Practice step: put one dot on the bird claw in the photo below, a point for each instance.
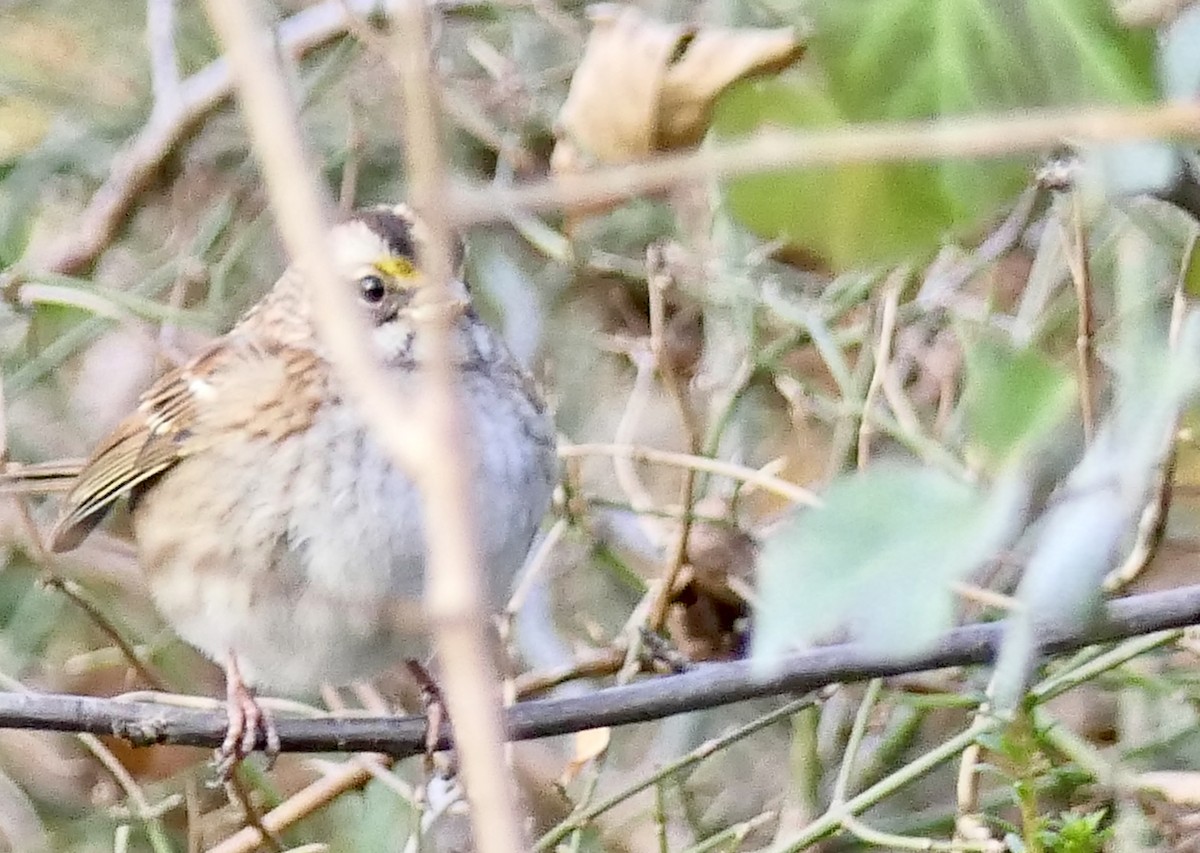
(248, 720)
(435, 707)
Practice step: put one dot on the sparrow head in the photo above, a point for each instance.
(379, 251)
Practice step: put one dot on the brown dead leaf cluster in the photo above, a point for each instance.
(644, 85)
(710, 607)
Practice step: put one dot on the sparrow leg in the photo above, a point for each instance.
(435, 707)
(247, 719)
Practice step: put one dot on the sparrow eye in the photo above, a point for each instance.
(372, 289)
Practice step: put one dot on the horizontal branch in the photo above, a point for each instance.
(704, 686)
(981, 136)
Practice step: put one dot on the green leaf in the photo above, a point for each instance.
(879, 557)
(18, 206)
(1071, 833)
(1013, 397)
(1190, 274)
(897, 60)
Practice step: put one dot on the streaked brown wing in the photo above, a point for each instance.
(118, 466)
(141, 447)
(233, 388)
(39, 478)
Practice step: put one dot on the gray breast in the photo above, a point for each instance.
(356, 526)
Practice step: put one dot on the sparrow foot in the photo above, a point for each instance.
(247, 721)
(435, 708)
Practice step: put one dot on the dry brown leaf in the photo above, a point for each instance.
(713, 61)
(589, 745)
(645, 85)
(708, 607)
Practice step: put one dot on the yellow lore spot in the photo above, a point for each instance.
(396, 267)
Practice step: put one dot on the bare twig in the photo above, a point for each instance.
(659, 281)
(142, 808)
(883, 355)
(348, 190)
(454, 587)
(891, 841)
(599, 664)
(1152, 524)
(968, 823)
(731, 838)
(986, 136)
(766, 482)
(238, 793)
(703, 686)
(841, 788)
(635, 406)
(80, 599)
(133, 169)
(429, 445)
(321, 793)
(301, 214)
(1086, 325)
(584, 816)
(164, 63)
(534, 566)
(858, 730)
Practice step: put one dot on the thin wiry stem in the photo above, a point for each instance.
(319, 794)
(1085, 331)
(883, 355)
(582, 818)
(80, 599)
(750, 476)
(1152, 523)
(135, 166)
(985, 136)
(659, 282)
(854, 742)
(832, 819)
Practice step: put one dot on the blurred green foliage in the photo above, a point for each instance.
(896, 60)
(1011, 399)
(879, 557)
(972, 428)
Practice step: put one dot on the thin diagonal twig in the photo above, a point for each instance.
(982, 136)
(139, 160)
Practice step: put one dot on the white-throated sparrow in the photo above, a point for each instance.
(276, 535)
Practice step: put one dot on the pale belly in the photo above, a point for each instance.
(309, 564)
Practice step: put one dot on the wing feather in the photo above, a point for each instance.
(124, 462)
(233, 388)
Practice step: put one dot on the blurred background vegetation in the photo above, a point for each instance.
(981, 339)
